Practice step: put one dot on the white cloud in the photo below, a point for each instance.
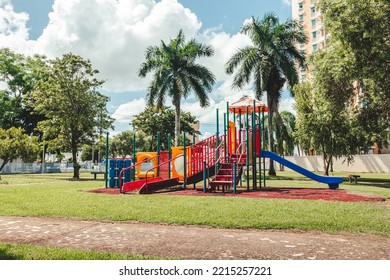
(287, 104)
(125, 112)
(287, 2)
(13, 29)
(224, 45)
(114, 34)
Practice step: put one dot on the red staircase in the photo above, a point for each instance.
(224, 177)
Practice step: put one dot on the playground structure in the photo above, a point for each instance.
(220, 161)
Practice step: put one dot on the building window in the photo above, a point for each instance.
(314, 34)
(313, 10)
(300, 5)
(315, 47)
(313, 22)
(301, 17)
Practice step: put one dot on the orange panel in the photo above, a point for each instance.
(146, 156)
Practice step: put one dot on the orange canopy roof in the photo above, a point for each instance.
(247, 101)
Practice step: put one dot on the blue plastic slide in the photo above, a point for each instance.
(333, 182)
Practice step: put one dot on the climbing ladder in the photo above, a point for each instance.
(229, 171)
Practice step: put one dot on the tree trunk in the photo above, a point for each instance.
(326, 165)
(271, 170)
(76, 166)
(177, 122)
(5, 161)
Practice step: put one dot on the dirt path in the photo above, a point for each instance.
(189, 242)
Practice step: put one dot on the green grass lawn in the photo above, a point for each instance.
(56, 195)
(29, 252)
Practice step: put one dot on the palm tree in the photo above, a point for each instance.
(270, 61)
(284, 127)
(176, 74)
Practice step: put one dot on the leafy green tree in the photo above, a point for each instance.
(176, 74)
(150, 123)
(71, 103)
(361, 28)
(121, 145)
(14, 143)
(324, 115)
(89, 152)
(270, 61)
(20, 75)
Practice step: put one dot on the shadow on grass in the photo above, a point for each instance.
(369, 184)
(6, 255)
(83, 180)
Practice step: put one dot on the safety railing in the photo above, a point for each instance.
(203, 151)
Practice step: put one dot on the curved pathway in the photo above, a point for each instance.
(190, 242)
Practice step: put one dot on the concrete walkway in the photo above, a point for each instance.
(189, 242)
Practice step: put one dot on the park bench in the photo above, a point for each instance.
(98, 172)
(353, 177)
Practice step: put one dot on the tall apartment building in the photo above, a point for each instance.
(306, 12)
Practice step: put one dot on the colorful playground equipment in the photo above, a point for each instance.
(220, 161)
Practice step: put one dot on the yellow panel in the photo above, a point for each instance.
(145, 156)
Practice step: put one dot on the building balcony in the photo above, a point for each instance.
(317, 27)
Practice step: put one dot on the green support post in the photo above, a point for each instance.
(239, 138)
(226, 136)
(247, 148)
(185, 160)
(192, 158)
(254, 173)
(106, 175)
(217, 151)
(217, 117)
(169, 156)
(134, 158)
(262, 132)
(227, 129)
(261, 146)
(158, 153)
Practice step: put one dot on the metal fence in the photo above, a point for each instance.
(30, 168)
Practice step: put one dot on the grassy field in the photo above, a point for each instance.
(29, 252)
(59, 196)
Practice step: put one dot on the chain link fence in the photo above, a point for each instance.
(30, 168)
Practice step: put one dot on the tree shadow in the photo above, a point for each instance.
(6, 255)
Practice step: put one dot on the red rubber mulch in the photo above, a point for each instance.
(278, 193)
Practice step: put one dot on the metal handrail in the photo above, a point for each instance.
(217, 148)
(241, 154)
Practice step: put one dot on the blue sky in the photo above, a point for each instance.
(113, 34)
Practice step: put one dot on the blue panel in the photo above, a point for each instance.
(112, 163)
(112, 183)
(119, 163)
(112, 173)
(127, 162)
